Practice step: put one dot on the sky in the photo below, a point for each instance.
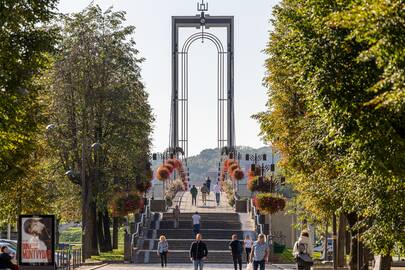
(152, 19)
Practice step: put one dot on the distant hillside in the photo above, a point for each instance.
(207, 161)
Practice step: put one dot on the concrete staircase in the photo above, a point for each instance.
(216, 229)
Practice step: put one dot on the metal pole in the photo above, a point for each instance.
(334, 241)
(84, 197)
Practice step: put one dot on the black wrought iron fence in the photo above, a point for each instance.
(67, 259)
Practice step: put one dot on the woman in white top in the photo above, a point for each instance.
(248, 243)
(162, 249)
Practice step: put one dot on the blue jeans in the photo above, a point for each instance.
(196, 228)
(257, 264)
(198, 263)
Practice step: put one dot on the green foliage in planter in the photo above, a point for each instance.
(270, 203)
(260, 186)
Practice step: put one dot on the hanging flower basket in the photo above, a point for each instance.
(255, 185)
(238, 174)
(169, 167)
(228, 163)
(178, 164)
(270, 203)
(162, 173)
(171, 162)
(124, 203)
(143, 186)
(232, 168)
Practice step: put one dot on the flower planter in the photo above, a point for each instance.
(162, 173)
(259, 184)
(270, 203)
(238, 174)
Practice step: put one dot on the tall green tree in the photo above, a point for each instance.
(101, 119)
(25, 40)
(335, 110)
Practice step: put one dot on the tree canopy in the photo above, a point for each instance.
(336, 109)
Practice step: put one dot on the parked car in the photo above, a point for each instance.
(319, 247)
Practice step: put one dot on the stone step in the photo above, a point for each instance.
(169, 224)
(189, 234)
(178, 244)
(205, 216)
(183, 256)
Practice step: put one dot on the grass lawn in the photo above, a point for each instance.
(73, 236)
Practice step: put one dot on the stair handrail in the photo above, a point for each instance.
(139, 226)
(257, 219)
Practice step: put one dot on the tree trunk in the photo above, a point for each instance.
(382, 262)
(351, 219)
(107, 232)
(100, 232)
(115, 233)
(93, 218)
(325, 243)
(341, 241)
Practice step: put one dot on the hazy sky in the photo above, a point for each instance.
(152, 19)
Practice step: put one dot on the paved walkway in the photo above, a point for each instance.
(185, 266)
(211, 206)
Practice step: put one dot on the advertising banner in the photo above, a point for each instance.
(36, 240)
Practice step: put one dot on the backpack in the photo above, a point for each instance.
(303, 259)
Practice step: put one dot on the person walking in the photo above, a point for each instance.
(204, 192)
(194, 193)
(248, 243)
(196, 223)
(5, 259)
(176, 216)
(236, 248)
(208, 182)
(162, 249)
(260, 253)
(217, 191)
(303, 250)
(198, 252)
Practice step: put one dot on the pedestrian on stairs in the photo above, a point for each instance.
(248, 243)
(194, 193)
(196, 223)
(217, 191)
(236, 247)
(162, 249)
(198, 253)
(176, 216)
(208, 183)
(204, 193)
(260, 253)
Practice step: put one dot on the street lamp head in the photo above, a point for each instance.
(50, 127)
(96, 146)
(70, 174)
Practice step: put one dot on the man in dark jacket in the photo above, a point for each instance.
(5, 259)
(236, 248)
(198, 252)
(194, 193)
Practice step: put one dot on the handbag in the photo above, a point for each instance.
(249, 266)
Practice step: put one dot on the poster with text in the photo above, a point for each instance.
(36, 239)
